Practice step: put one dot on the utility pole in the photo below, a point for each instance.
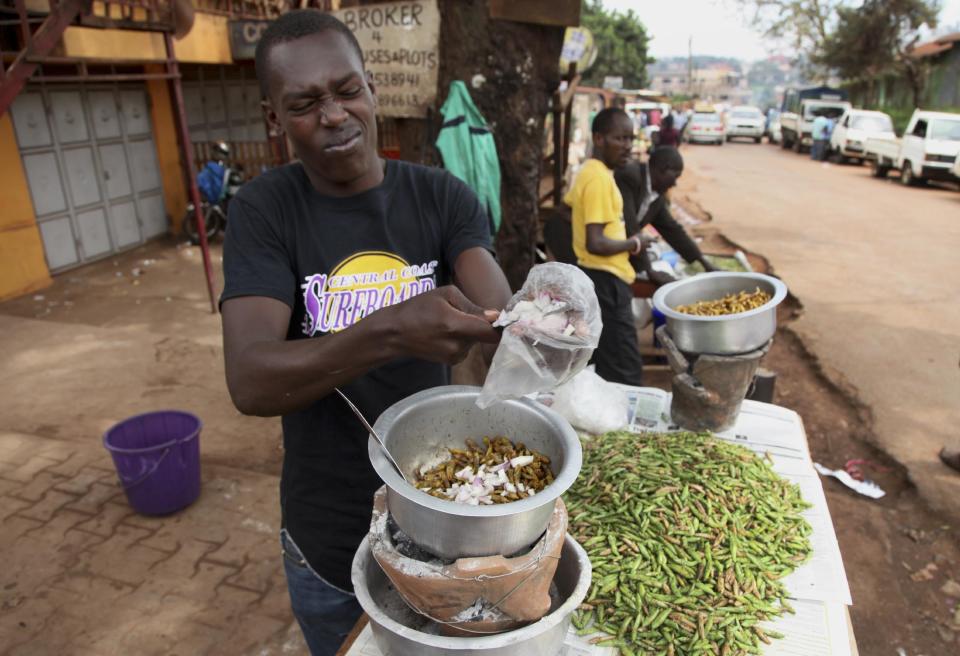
(690, 66)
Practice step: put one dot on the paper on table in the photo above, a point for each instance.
(823, 577)
(647, 408)
(817, 629)
(766, 428)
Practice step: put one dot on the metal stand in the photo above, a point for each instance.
(708, 389)
(186, 152)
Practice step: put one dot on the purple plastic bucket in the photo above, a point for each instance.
(157, 457)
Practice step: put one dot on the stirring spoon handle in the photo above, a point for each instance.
(366, 424)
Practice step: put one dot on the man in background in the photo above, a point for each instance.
(603, 248)
(821, 138)
(644, 189)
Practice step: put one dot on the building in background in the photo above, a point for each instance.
(90, 146)
(708, 79)
(90, 152)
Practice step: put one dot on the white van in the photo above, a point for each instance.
(930, 146)
(854, 128)
(928, 150)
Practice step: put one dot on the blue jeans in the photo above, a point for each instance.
(325, 612)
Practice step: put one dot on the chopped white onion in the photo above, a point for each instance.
(476, 487)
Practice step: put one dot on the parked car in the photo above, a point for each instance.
(772, 129)
(928, 150)
(852, 130)
(801, 106)
(745, 121)
(706, 127)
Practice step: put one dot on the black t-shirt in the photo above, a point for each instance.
(334, 260)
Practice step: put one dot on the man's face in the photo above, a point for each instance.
(613, 148)
(320, 97)
(663, 181)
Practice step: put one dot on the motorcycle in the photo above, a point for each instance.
(219, 183)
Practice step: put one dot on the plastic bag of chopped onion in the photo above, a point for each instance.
(551, 328)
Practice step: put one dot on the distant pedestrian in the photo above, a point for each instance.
(679, 119)
(668, 135)
(821, 138)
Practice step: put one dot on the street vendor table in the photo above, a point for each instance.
(818, 589)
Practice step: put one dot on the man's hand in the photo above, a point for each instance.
(269, 375)
(440, 325)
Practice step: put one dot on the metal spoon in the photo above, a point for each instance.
(383, 447)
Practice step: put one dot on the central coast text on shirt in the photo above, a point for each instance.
(361, 284)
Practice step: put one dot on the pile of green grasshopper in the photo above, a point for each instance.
(689, 537)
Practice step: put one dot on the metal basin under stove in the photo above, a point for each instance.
(398, 631)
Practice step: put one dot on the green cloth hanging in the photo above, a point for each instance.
(469, 151)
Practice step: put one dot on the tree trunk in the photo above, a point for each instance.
(520, 65)
(914, 72)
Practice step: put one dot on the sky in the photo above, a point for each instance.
(716, 26)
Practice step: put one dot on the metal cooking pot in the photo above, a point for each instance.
(728, 334)
(390, 618)
(419, 429)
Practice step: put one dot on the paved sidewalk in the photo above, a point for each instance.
(85, 575)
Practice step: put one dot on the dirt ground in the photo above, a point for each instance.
(898, 554)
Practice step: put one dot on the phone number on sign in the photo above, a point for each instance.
(383, 79)
(399, 100)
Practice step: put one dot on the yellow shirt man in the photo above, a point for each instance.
(595, 198)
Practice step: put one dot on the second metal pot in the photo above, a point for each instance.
(727, 334)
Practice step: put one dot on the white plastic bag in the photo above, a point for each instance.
(551, 328)
(591, 404)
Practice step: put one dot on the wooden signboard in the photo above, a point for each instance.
(401, 50)
(244, 37)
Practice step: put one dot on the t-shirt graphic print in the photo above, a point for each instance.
(360, 285)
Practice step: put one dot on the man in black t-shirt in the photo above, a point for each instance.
(338, 273)
(644, 189)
